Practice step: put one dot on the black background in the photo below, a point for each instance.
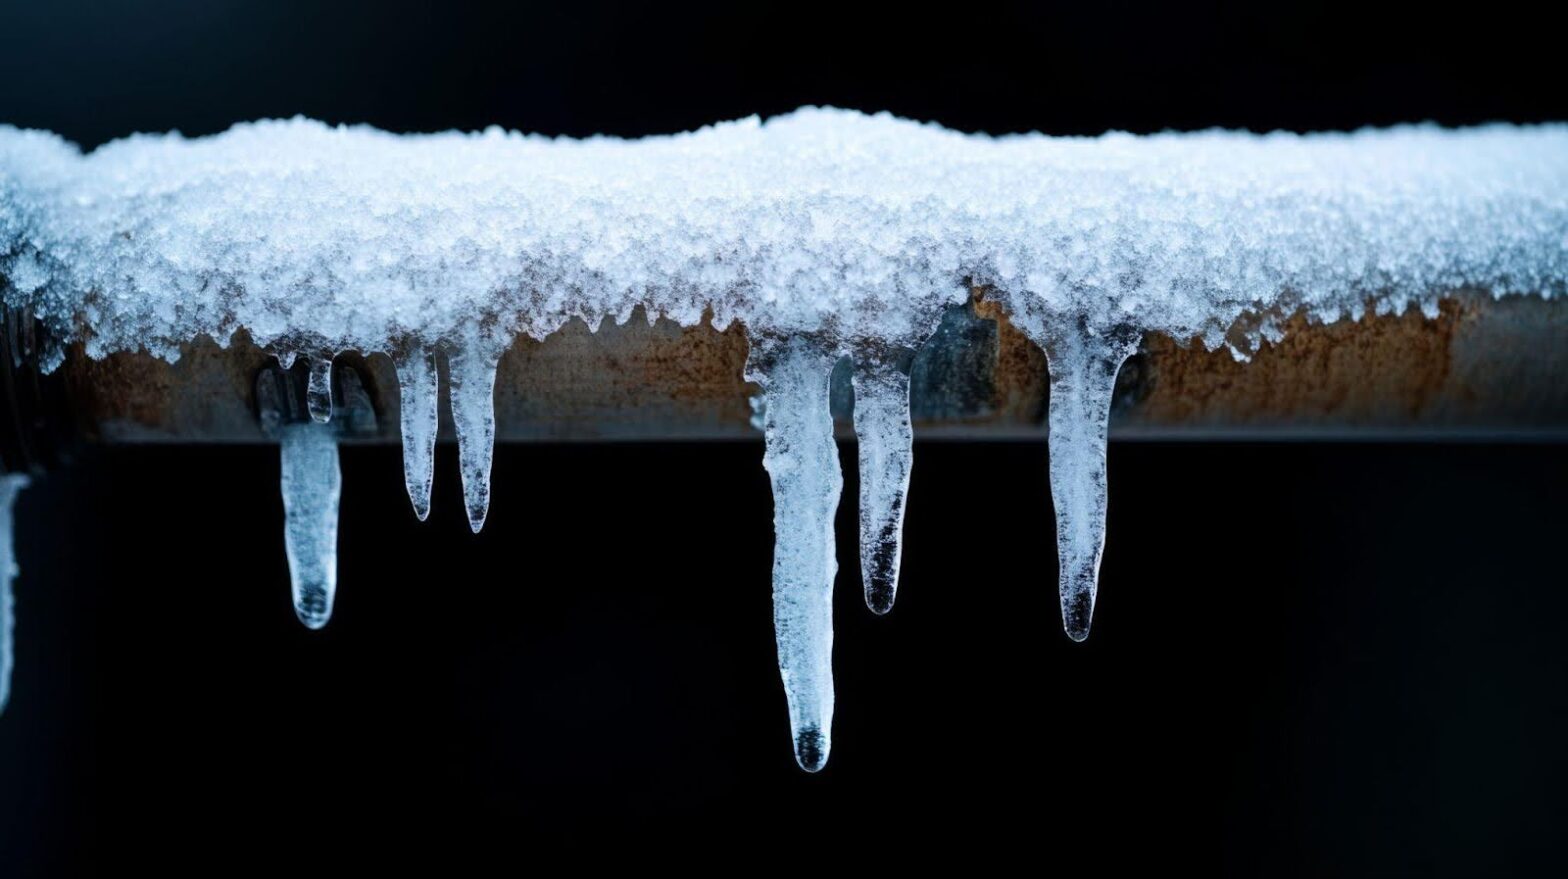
(1307, 659)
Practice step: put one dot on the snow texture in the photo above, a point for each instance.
(827, 233)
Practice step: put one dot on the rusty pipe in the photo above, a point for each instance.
(1483, 368)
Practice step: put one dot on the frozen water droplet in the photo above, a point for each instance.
(471, 380)
(419, 382)
(886, 440)
(318, 394)
(811, 749)
(10, 486)
(802, 462)
(312, 484)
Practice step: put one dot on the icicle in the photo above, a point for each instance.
(318, 394)
(1083, 366)
(312, 484)
(881, 380)
(471, 379)
(802, 461)
(10, 486)
(416, 375)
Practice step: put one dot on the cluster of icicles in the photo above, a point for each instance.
(801, 458)
(828, 234)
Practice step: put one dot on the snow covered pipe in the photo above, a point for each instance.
(1483, 369)
(1403, 281)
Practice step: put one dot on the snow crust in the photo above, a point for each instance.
(827, 233)
(320, 238)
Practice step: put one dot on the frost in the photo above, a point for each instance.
(826, 233)
(10, 486)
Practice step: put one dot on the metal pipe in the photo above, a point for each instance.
(1482, 368)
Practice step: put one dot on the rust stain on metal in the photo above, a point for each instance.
(617, 381)
(208, 390)
(1021, 381)
(1379, 369)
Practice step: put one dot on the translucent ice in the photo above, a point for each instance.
(802, 461)
(318, 393)
(312, 484)
(881, 381)
(10, 485)
(418, 381)
(471, 378)
(1083, 364)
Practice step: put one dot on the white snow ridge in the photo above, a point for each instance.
(827, 233)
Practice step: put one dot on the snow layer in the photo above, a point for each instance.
(828, 233)
(330, 238)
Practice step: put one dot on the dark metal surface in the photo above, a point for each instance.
(38, 426)
(1483, 368)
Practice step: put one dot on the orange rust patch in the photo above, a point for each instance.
(1375, 369)
(1021, 382)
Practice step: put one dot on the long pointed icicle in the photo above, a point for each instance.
(10, 486)
(318, 394)
(312, 484)
(418, 381)
(471, 378)
(881, 380)
(802, 461)
(1083, 367)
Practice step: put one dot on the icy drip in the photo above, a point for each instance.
(471, 379)
(1083, 365)
(312, 484)
(318, 393)
(419, 385)
(10, 486)
(886, 440)
(802, 461)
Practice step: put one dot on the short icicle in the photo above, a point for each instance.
(471, 378)
(886, 440)
(418, 383)
(1083, 364)
(318, 394)
(802, 461)
(10, 485)
(312, 484)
